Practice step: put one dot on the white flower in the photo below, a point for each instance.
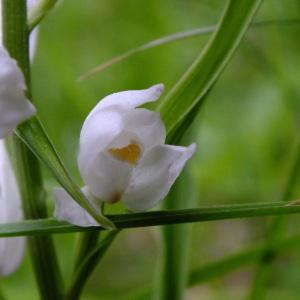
(122, 156)
(11, 249)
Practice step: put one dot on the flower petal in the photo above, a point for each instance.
(147, 126)
(14, 107)
(130, 99)
(11, 249)
(66, 209)
(154, 176)
(107, 177)
(98, 131)
(110, 127)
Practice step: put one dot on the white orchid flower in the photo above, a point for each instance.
(14, 106)
(11, 249)
(122, 156)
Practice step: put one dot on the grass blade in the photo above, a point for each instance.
(154, 218)
(34, 136)
(172, 272)
(88, 265)
(200, 31)
(204, 72)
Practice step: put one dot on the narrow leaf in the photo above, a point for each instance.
(88, 265)
(173, 263)
(204, 72)
(154, 218)
(200, 31)
(34, 136)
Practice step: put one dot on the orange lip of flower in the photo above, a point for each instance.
(130, 153)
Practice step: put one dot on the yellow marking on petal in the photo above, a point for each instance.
(129, 154)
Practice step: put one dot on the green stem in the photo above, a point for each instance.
(195, 32)
(86, 242)
(173, 266)
(42, 250)
(87, 266)
(154, 218)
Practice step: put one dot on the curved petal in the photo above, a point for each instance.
(108, 177)
(14, 107)
(113, 130)
(155, 174)
(147, 126)
(66, 209)
(11, 249)
(97, 132)
(130, 99)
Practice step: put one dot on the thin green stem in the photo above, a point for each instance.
(15, 33)
(85, 244)
(87, 266)
(173, 266)
(155, 218)
(201, 31)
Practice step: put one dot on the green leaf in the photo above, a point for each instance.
(154, 218)
(34, 136)
(204, 72)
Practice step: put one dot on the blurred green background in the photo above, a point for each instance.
(246, 132)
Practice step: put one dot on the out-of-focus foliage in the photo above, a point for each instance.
(246, 132)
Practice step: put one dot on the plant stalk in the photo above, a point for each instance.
(43, 256)
(87, 266)
(155, 218)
